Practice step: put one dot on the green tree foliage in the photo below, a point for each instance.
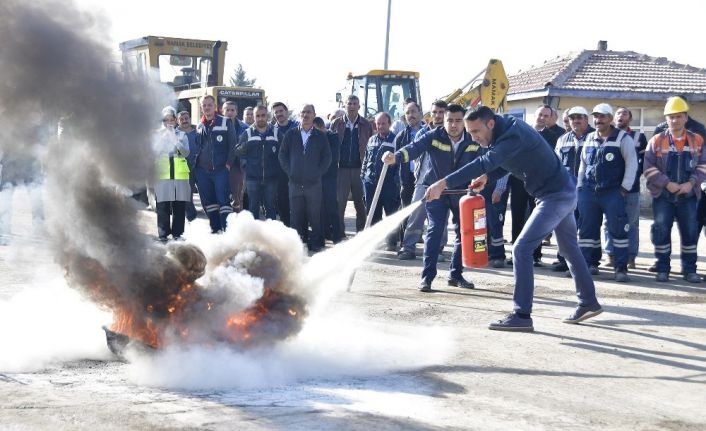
(240, 79)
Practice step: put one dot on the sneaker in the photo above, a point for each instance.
(406, 255)
(461, 282)
(512, 322)
(692, 277)
(425, 286)
(560, 267)
(593, 270)
(611, 261)
(582, 313)
(662, 277)
(497, 263)
(653, 268)
(621, 276)
(631, 263)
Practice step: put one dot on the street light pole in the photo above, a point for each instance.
(387, 33)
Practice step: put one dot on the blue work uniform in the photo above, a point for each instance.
(443, 159)
(607, 171)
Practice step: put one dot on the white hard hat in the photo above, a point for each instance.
(603, 108)
(577, 110)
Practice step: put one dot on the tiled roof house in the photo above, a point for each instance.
(626, 78)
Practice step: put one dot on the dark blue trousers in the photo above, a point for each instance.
(437, 215)
(665, 209)
(592, 205)
(215, 196)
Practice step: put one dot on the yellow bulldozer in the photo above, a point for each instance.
(192, 67)
(388, 90)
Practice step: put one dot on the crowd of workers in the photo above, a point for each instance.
(303, 173)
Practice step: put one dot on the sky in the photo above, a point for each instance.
(301, 51)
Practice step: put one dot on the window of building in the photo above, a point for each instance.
(517, 113)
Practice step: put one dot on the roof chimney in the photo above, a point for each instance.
(603, 45)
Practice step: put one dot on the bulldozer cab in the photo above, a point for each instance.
(180, 63)
(383, 91)
(192, 67)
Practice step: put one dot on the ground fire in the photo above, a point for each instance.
(164, 305)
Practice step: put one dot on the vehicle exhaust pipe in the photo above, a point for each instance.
(215, 67)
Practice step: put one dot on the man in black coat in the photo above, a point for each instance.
(305, 156)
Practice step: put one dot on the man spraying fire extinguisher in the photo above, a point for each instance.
(515, 147)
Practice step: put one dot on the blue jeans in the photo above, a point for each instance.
(592, 205)
(553, 212)
(665, 208)
(438, 215)
(215, 196)
(262, 193)
(415, 223)
(632, 209)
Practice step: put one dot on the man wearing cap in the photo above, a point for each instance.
(675, 166)
(515, 147)
(606, 174)
(568, 148)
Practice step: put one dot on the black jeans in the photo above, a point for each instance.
(521, 206)
(177, 210)
(305, 210)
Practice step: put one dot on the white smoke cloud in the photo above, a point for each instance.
(48, 323)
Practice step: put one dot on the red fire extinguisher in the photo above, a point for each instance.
(474, 230)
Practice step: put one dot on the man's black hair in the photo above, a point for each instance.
(454, 108)
(440, 104)
(277, 104)
(319, 122)
(484, 113)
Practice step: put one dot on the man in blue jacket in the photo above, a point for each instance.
(448, 148)
(258, 148)
(515, 147)
(389, 199)
(213, 158)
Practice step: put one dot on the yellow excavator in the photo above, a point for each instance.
(491, 91)
(192, 67)
(382, 91)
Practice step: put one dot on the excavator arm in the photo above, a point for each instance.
(490, 91)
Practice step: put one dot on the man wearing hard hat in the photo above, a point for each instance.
(675, 166)
(606, 174)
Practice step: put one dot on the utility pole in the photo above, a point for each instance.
(387, 33)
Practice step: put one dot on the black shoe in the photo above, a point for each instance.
(560, 267)
(497, 263)
(508, 262)
(406, 255)
(653, 268)
(582, 313)
(461, 282)
(537, 263)
(425, 286)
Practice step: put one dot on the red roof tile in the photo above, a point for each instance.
(611, 71)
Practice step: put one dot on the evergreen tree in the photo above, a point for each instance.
(240, 78)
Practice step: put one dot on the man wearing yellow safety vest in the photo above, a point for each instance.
(171, 188)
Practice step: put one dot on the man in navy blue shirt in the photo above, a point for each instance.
(515, 147)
